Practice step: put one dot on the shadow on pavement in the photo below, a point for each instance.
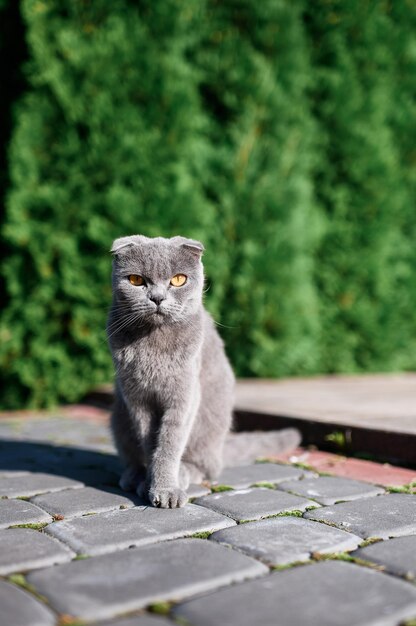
(92, 467)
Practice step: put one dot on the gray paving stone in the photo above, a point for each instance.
(14, 512)
(12, 472)
(330, 593)
(139, 620)
(71, 503)
(331, 489)
(23, 549)
(240, 477)
(252, 504)
(32, 484)
(116, 530)
(386, 516)
(282, 540)
(109, 585)
(18, 608)
(196, 491)
(397, 555)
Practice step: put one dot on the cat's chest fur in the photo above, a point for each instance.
(159, 360)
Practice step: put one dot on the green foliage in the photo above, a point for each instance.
(366, 256)
(110, 140)
(279, 132)
(255, 76)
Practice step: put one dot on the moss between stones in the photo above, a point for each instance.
(280, 568)
(202, 535)
(409, 488)
(219, 488)
(160, 608)
(38, 526)
(345, 556)
(369, 542)
(20, 581)
(81, 557)
(264, 484)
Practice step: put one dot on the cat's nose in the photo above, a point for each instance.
(157, 298)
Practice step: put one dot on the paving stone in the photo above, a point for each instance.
(139, 620)
(116, 530)
(252, 504)
(14, 512)
(32, 484)
(196, 491)
(18, 608)
(330, 593)
(397, 555)
(70, 503)
(386, 516)
(23, 549)
(240, 477)
(282, 540)
(112, 584)
(329, 489)
(11, 472)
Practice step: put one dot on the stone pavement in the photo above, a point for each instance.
(271, 544)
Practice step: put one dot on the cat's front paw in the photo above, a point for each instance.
(168, 498)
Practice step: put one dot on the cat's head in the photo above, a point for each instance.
(158, 280)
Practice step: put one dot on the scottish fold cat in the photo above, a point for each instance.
(174, 384)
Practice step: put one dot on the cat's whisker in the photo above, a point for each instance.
(126, 322)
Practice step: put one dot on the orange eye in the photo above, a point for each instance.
(178, 280)
(136, 280)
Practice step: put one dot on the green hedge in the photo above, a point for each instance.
(279, 132)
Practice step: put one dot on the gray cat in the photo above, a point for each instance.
(174, 384)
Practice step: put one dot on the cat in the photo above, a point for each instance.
(174, 391)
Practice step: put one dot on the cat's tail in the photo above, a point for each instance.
(246, 447)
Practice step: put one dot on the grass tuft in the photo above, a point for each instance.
(160, 608)
(202, 535)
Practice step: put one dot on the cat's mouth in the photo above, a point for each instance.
(158, 314)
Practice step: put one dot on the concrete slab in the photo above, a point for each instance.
(397, 555)
(392, 515)
(282, 540)
(117, 530)
(32, 484)
(251, 504)
(384, 401)
(330, 489)
(70, 503)
(240, 477)
(13, 512)
(330, 593)
(19, 608)
(196, 491)
(23, 549)
(107, 586)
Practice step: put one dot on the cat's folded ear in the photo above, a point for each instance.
(123, 243)
(195, 248)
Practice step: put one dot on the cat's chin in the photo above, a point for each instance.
(158, 318)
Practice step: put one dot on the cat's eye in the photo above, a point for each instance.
(136, 280)
(178, 280)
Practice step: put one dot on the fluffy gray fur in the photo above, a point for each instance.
(174, 384)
